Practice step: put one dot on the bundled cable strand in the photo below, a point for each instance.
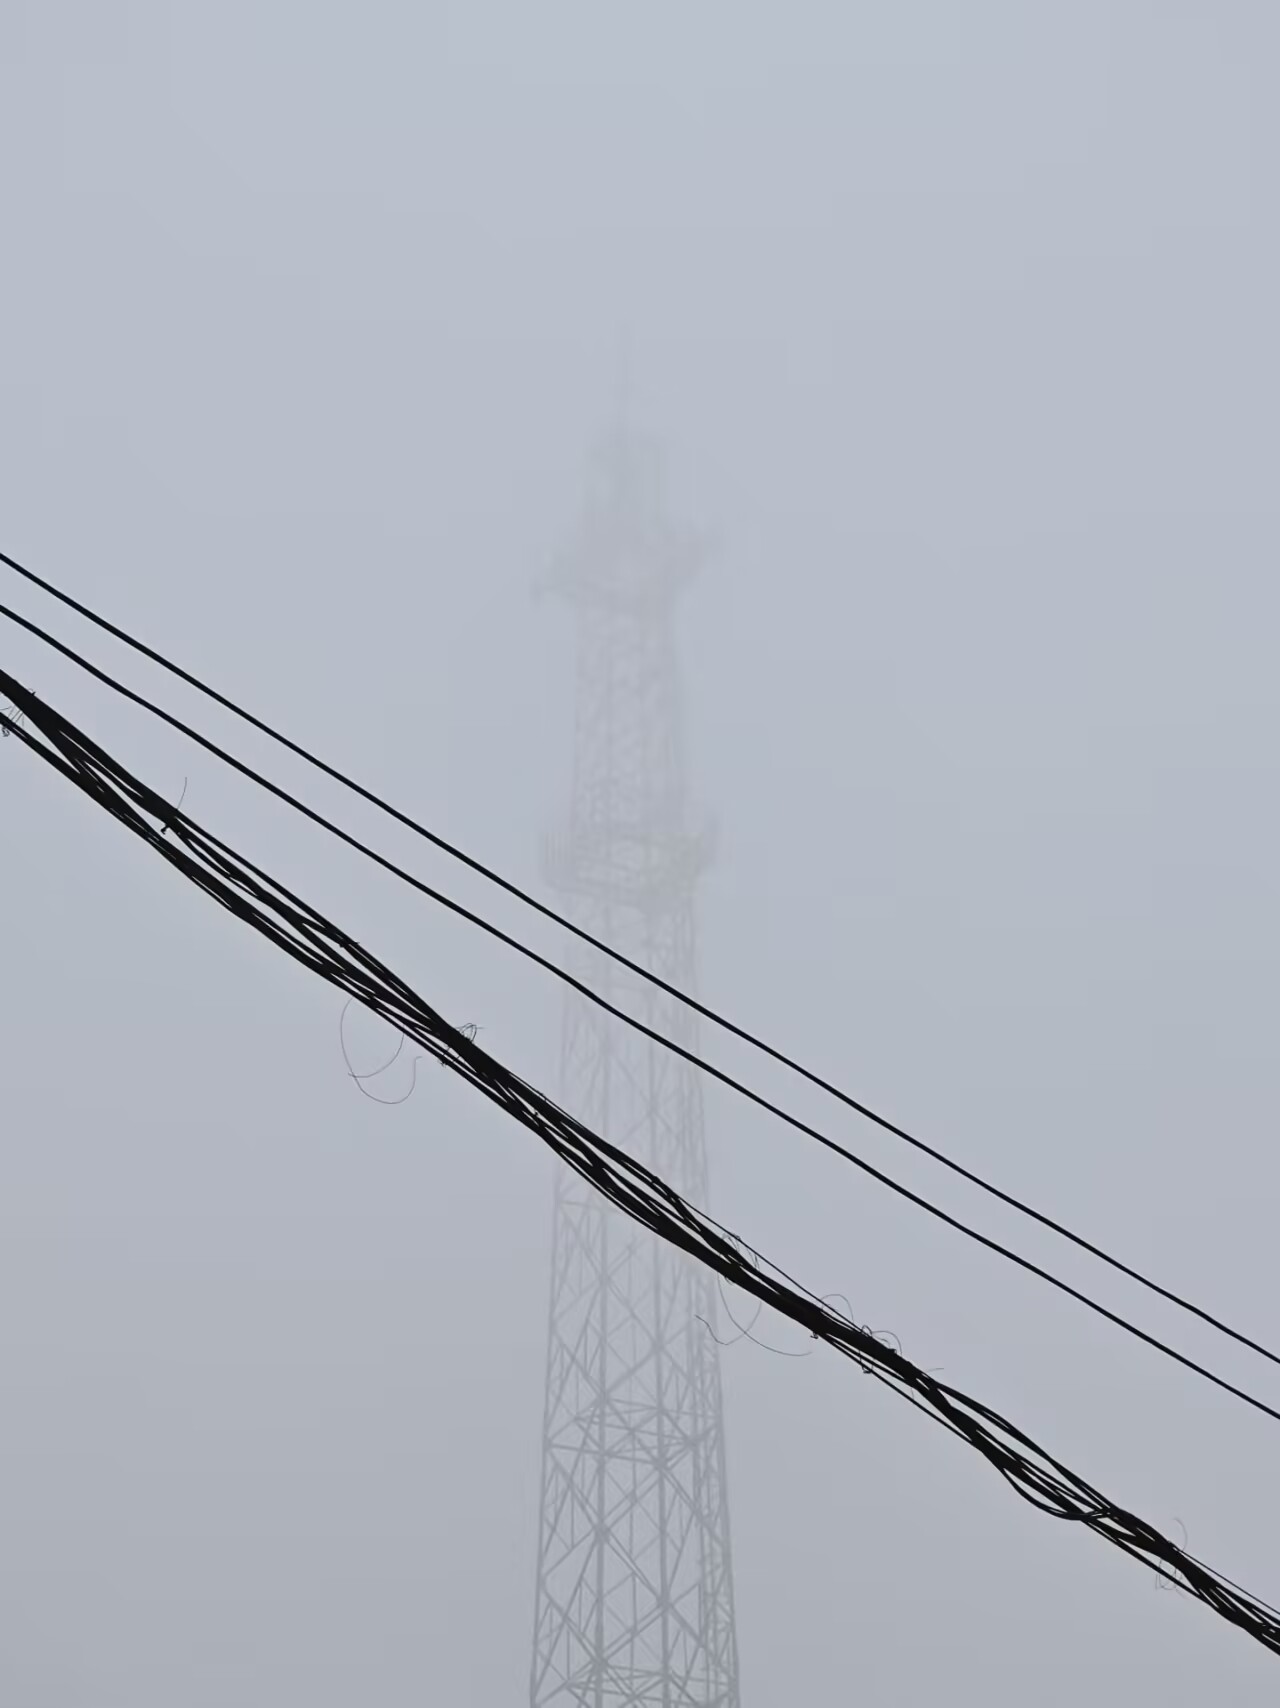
(636, 968)
(291, 924)
(739, 1087)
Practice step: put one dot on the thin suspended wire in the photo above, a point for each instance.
(283, 918)
(753, 1040)
(739, 1087)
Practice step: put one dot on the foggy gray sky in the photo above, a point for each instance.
(958, 323)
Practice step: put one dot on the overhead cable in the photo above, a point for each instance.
(291, 924)
(730, 1027)
(739, 1087)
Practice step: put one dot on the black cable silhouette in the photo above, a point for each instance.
(677, 1049)
(691, 1002)
(284, 919)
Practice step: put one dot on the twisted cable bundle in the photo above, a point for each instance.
(291, 924)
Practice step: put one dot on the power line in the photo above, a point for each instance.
(719, 1074)
(283, 918)
(753, 1040)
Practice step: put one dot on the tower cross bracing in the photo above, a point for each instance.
(634, 1604)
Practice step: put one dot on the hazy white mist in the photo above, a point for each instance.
(958, 323)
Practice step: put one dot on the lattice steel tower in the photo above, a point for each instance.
(635, 1591)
